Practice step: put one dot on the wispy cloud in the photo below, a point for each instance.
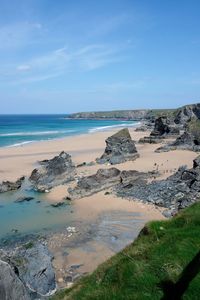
(17, 34)
(61, 61)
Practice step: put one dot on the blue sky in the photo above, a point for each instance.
(67, 56)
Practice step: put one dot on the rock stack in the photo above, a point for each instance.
(53, 172)
(119, 148)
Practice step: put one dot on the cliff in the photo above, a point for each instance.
(122, 114)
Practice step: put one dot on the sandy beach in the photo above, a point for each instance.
(98, 214)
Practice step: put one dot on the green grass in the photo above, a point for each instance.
(160, 253)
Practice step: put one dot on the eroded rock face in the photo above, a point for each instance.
(119, 148)
(186, 141)
(7, 186)
(37, 270)
(53, 172)
(176, 192)
(104, 178)
(162, 129)
(186, 113)
(11, 287)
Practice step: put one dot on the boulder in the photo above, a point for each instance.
(86, 186)
(53, 172)
(11, 287)
(119, 148)
(7, 186)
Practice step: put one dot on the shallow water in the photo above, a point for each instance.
(32, 216)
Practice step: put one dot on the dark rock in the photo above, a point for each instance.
(24, 199)
(104, 178)
(11, 287)
(176, 192)
(162, 129)
(7, 186)
(184, 142)
(53, 172)
(81, 165)
(58, 204)
(186, 113)
(119, 148)
(151, 140)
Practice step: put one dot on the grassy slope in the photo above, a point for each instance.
(160, 253)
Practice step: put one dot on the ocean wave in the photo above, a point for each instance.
(35, 133)
(19, 144)
(104, 128)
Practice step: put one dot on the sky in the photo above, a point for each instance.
(67, 56)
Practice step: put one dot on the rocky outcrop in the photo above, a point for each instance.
(104, 179)
(7, 186)
(186, 113)
(32, 263)
(53, 172)
(86, 186)
(184, 142)
(119, 148)
(162, 129)
(11, 287)
(36, 270)
(176, 192)
(145, 126)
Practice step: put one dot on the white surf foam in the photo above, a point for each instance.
(104, 128)
(34, 133)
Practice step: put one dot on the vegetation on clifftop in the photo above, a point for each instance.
(123, 114)
(160, 254)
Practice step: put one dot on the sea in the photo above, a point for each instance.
(18, 130)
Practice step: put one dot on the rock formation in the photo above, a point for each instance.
(162, 129)
(11, 287)
(176, 192)
(104, 178)
(186, 113)
(53, 172)
(37, 271)
(186, 141)
(119, 148)
(7, 186)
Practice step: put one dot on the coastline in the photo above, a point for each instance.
(104, 224)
